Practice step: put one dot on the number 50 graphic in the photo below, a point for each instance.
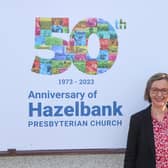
(76, 49)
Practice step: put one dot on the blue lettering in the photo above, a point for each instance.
(32, 109)
(79, 109)
(116, 109)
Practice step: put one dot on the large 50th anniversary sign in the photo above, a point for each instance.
(72, 75)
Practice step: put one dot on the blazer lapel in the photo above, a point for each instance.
(149, 130)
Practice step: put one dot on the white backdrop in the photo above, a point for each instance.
(142, 51)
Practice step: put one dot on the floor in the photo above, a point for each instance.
(63, 161)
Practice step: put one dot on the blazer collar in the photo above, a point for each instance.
(149, 129)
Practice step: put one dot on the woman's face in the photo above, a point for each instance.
(159, 93)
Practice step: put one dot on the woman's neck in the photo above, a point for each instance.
(158, 113)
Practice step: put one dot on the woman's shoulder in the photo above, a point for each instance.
(144, 113)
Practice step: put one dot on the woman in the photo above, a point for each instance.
(147, 144)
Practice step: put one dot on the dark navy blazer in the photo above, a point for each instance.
(140, 151)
